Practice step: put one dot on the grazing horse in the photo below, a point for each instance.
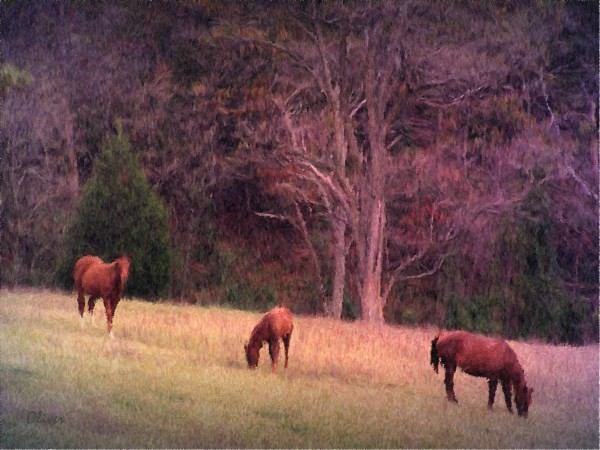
(275, 325)
(97, 279)
(481, 356)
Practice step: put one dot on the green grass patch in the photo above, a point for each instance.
(175, 376)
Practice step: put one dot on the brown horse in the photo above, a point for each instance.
(97, 279)
(481, 356)
(275, 325)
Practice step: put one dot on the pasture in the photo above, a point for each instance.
(176, 376)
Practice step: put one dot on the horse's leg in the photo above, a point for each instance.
(109, 315)
(286, 345)
(506, 390)
(91, 304)
(493, 382)
(274, 352)
(81, 304)
(113, 308)
(449, 381)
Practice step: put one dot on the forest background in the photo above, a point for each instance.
(407, 162)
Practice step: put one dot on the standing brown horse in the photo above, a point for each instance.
(275, 325)
(97, 279)
(481, 356)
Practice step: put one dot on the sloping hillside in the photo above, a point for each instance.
(176, 377)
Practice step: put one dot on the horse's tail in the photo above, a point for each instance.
(435, 357)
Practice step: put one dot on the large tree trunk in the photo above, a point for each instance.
(373, 190)
(371, 302)
(339, 275)
(371, 299)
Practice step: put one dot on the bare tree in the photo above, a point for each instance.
(365, 80)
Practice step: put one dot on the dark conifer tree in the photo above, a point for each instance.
(119, 213)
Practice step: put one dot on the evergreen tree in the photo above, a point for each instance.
(119, 213)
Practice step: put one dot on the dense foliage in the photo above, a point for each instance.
(401, 160)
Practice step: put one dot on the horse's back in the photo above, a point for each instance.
(279, 320)
(82, 265)
(475, 354)
(99, 279)
(449, 343)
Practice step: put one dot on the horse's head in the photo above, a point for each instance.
(123, 264)
(523, 398)
(252, 354)
(121, 271)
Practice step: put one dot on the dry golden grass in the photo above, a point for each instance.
(176, 377)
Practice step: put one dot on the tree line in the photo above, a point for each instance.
(410, 162)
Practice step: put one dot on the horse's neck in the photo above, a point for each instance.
(257, 336)
(254, 343)
(517, 376)
(118, 282)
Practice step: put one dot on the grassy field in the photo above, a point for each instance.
(175, 376)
